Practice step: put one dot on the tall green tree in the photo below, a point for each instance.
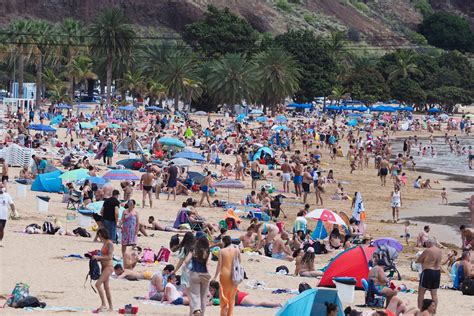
(18, 33)
(277, 74)
(221, 32)
(315, 59)
(112, 36)
(404, 65)
(230, 79)
(80, 70)
(134, 82)
(177, 71)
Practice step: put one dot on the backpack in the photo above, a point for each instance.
(467, 287)
(94, 272)
(20, 291)
(148, 256)
(81, 232)
(282, 268)
(238, 272)
(48, 228)
(163, 255)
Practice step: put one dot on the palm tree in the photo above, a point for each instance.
(18, 34)
(72, 37)
(177, 70)
(337, 93)
(404, 65)
(154, 90)
(80, 70)
(230, 80)
(112, 37)
(277, 76)
(42, 38)
(192, 90)
(54, 84)
(134, 82)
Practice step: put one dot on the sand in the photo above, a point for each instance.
(39, 259)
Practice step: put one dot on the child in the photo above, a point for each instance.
(406, 234)
(172, 295)
(444, 197)
(404, 179)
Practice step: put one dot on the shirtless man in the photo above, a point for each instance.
(307, 181)
(146, 183)
(286, 175)
(423, 237)
(280, 249)
(468, 270)
(205, 186)
(255, 173)
(383, 171)
(239, 168)
(430, 261)
(4, 170)
(467, 237)
(249, 240)
(298, 178)
(131, 275)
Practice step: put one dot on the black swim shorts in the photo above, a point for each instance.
(430, 279)
(3, 222)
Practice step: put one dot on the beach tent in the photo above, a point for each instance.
(352, 123)
(265, 150)
(311, 302)
(124, 145)
(434, 110)
(353, 262)
(47, 182)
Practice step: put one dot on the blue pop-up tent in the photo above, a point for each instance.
(265, 150)
(311, 302)
(47, 182)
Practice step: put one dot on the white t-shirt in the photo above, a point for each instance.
(5, 202)
(174, 293)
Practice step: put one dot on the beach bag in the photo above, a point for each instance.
(238, 272)
(48, 228)
(148, 256)
(20, 291)
(81, 232)
(467, 287)
(94, 272)
(163, 255)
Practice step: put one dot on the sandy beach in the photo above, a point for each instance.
(39, 260)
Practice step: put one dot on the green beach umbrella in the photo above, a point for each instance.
(75, 175)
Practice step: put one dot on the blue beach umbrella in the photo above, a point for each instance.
(434, 110)
(83, 106)
(99, 181)
(256, 112)
(63, 107)
(128, 108)
(169, 141)
(191, 155)
(261, 119)
(281, 119)
(42, 128)
(240, 117)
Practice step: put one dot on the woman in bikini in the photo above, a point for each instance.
(377, 275)
(305, 264)
(269, 230)
(106, 262)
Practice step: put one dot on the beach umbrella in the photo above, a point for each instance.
(444, 116)
(326, 215)
(434, 110)
(240, 117)
(281, 119)
(169, 141)
(389, 242)
(256, 112)
(56, 120)
(113, 126)
(99, 181)
(87, 125)
(279, 128)
(63, 107)
(191, 155)
(352, 123)
(182, 162)
(128, 108)
(42, 128)
(200, 113)
(121, 175)
(361, 108)
(196, 177)
(229, 184)
(261, 119)
(407, 109)
(156, 108)
(83, 106)
(74, 175)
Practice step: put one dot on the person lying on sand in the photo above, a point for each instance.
(157, 225)
(131, 275)
(241, 298)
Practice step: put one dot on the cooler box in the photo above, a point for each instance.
(345, 289)
(21, 189)
(42, 203)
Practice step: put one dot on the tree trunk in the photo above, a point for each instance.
(90, 87)
(151, 101)
(70, 91)
(176, 102)
(102, 87)
(21, 70)
(39, 80)
(109, 78)
(161, 103)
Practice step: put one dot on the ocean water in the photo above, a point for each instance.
(443, 160)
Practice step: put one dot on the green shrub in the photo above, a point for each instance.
(414, 37)
(284, 5)
(424, 7)
(309, 18)
(362, 7)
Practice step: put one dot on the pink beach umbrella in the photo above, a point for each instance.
(325, 215)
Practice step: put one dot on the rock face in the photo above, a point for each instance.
(263, 15)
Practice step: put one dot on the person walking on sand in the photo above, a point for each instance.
(106, 263)
(172, 180)
(224, 272)
(383, 171)
(396, 202)
(430, 277)
(444, 196)
(254, 173)
(146, 183)
(110, 214)
(286, 175)
(298, 178)
(206, 184)
(4, 170)
(5, 202)
(199, 277)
